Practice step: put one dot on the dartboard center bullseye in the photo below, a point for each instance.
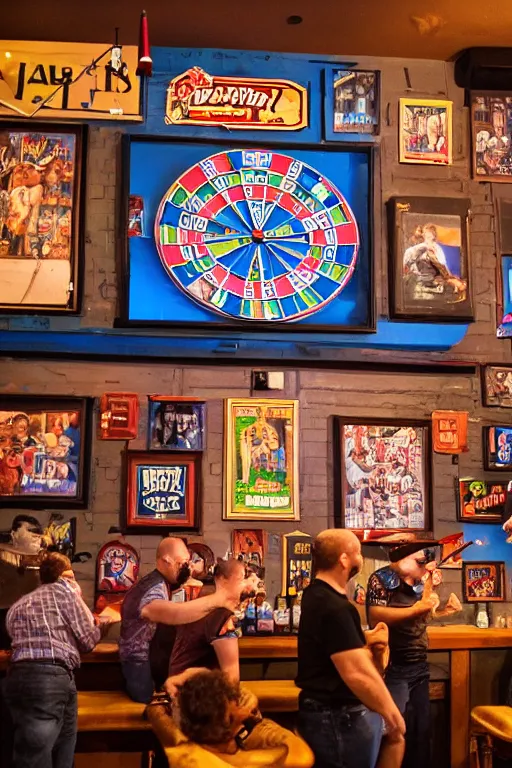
(211, 241)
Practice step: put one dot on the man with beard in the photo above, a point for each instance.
(147, 614)
(343, 698)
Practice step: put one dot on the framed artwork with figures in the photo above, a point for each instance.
(41, 217)
(497, 386)
(351, 105)
(497, 448)
(382, 474)
(491, 133)
(425, 132)
(430, 277)
(483, 582)
(176, 424)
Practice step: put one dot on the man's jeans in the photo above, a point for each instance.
(408, 685)
(343, 737)
(138, 680)
(42, 704)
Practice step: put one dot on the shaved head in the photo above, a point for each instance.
(172, 560)
(330, 546)
(172, 547)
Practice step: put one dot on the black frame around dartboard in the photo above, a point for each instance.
(123, 320)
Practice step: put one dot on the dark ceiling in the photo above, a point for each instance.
(404, 28)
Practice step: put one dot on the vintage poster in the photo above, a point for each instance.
(261, 460)
(163, 491)
(450, 431)
(40, 174)
(356, 101)
(481, 501)
(297, 563)
(249, 546)
(491, 121)
(117, 569)
(41, 453)
(497, 386)
(66, 81)
(425, 133)
(498, 448)
(198, 98)
(176, 424)
(483, 582)
(384, 476)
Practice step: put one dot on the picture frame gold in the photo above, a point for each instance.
(261, 440)
(415, 141)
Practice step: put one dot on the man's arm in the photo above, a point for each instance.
(80, 620)
(167, 612)
(226, 650)
(391, 616)
(359, 673)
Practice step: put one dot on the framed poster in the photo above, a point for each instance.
(249, 546)
(41, 217)
(163, 492)
(297, 563)
(497, 386)
(176, 424)
(249, 238)
(45, 446)
(425, 131)
(483, 582)
(382, 474)
(450, 431)
(261, 459)
(430, 277)
(497, 442)
(480, 501)
(351, 103)
(491, 133)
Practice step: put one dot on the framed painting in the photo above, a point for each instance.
(382, 475)
(480, 501)
(430, 277)
(249, 546)
(497, 441)
(162, 492)
(450, 431)
(491, 134)
(425, 131)
(351, 103)
(497, 386)
(44, 451)
(119, 416)
(504, 297)
(41, 217)
(176, 424)
(261, 460)
(483, 582)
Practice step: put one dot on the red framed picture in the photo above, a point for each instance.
(163, 492)
(484, 582)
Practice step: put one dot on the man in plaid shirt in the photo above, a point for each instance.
(49, 628)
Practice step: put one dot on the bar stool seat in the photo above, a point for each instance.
(488, 723)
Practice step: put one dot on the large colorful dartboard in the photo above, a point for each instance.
(257, 235)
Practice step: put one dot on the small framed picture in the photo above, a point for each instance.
(480, 501)
(425, 132)
(163, 492)
(497, 386)
(491, 134)
(430, 278)
(483, 582)
(176, 424)
(497, 441)
(351, 103)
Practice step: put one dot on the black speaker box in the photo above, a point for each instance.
(484, 69)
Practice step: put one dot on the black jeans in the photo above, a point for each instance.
(42, 704)
(408, 685)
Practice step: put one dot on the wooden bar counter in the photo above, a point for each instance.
(458, 640)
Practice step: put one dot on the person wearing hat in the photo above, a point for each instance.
(400, 595)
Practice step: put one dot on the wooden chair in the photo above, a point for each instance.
(487, 725)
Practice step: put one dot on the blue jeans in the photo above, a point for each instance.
(42, 704)
(343, 737)
(408, 684)
(138, 680)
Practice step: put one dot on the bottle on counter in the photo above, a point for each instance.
(482, 618)
(281, 617)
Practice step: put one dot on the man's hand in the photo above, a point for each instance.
(395, 724)
(377, 640)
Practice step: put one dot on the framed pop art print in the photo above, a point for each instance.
(176, 424)
(382, 474)
(351, 103)
(425, 131)
(41, 217)
(44, 451)
(497, 442)
(480, 501)
(430, 277)
(483, 582)
(491, 134)
(261, 459)
(163, 491)
(497, 386)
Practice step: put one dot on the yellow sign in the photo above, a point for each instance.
(82, 81)
(197, 98)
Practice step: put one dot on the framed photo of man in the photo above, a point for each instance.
(430, 276)
(176, 424)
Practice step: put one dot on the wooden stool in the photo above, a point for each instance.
(487, 724)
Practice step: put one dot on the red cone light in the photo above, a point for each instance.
(145, 65)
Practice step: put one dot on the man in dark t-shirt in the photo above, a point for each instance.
(343, 698)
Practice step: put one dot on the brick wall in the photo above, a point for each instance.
(322, 394)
